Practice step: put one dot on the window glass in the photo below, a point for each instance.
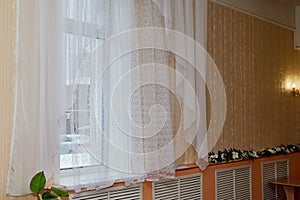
(84, 24)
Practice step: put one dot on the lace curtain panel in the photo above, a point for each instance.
(102, 95)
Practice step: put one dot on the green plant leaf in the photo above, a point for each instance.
(60, 192)
(48, 195)
(38, 182)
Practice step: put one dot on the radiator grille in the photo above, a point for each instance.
(234, 183)
(181, 188)
(118, 193)
(272, 171)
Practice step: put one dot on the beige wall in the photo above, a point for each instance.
(7, 35)
(255, 58)
(6, 97)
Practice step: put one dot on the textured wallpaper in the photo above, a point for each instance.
(256, 60)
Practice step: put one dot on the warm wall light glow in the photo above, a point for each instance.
(290, 85)
(287, 85)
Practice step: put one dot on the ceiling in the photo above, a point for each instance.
(281, 12)
(291, 2)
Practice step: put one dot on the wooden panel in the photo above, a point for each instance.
(209, 190)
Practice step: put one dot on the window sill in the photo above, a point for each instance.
(67, 180)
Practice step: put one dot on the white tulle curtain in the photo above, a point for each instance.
(138, 102)
(39, 93)
(90, 80)
(119, 125)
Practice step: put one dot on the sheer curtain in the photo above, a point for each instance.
(146, 102)
(105, 85)
(121, 130)
(39, 94)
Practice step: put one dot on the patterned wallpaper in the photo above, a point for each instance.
(256, 59)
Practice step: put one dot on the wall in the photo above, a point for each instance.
(278, 11)
(6, 64)
(7, 36)
(255, 58)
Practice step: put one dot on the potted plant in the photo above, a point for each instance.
(37, 186)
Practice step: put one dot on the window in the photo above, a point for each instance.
(83, 149)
